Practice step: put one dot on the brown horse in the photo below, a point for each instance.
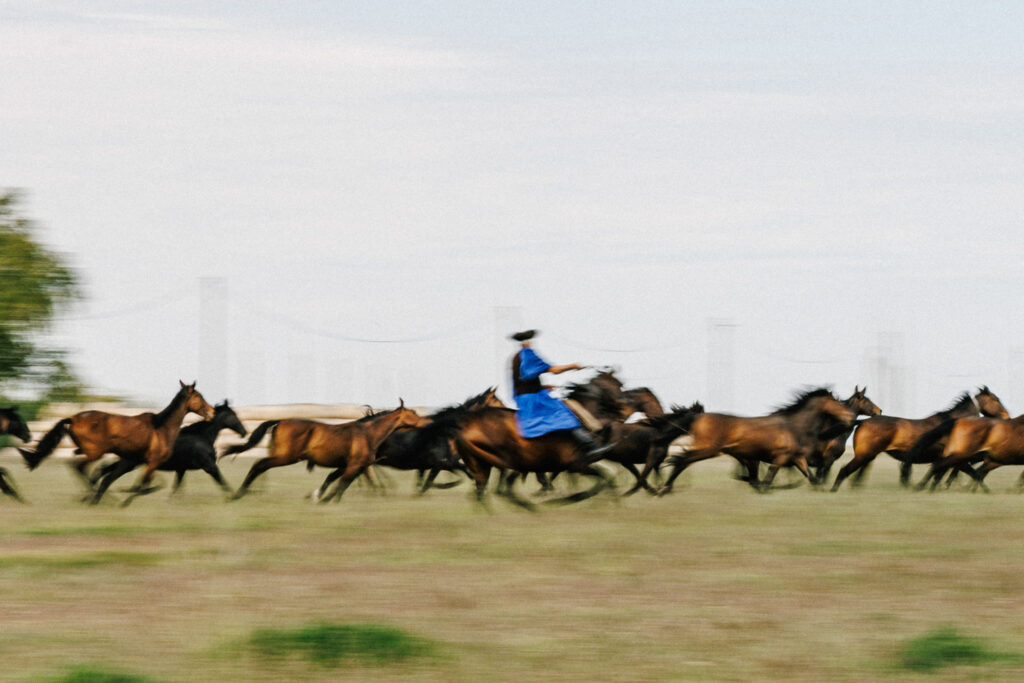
(348, 448)
(787, 436)
(996, 442)
(643, 400)
(488, 438)
(897, 435)
(967, 440)
(832, 446)
(145, 438)
(12, 424)
(602, 396)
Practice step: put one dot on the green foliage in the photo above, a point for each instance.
(34, 284)
(330, 644)
(83, 674)
(948, 647)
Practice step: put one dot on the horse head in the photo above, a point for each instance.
(861, 404)
(990, 405)
(11, 423)
(195, 401)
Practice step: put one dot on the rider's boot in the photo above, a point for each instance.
(589, 444)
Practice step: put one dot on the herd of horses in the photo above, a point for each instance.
(809, 434)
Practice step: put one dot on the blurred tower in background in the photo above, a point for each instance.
(888, 375)
(721, 365)
(213, 338)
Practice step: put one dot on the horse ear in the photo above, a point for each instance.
(181, 383)
(401, 402)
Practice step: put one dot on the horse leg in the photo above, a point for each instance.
(681, 462)
(318, 495)
(113, 473)
(210, 467)
(603, 481)
(512, 496)
(179, 476)
(905, 470)
(857, 465)
(143, 486)
(7, 486)
(258, 468)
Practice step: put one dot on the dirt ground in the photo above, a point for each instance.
(712, 582)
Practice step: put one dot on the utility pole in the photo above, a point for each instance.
(721, 364)
(213, 337)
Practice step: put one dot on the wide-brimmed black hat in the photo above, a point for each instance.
(524, 335)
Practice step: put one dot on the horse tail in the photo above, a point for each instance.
(928, 440)
(254, 438)
(46, 445)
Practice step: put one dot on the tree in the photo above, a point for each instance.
(34, 284)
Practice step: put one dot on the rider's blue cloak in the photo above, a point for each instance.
(539, 413)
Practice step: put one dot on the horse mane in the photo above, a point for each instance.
(800, 401)
(372, 415)
(474, 401)
(161, 418)
(961, 401)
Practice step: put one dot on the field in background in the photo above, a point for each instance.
(712, 582)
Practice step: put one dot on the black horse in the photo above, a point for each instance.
(646, 442)
(193, 450)
(12, 424)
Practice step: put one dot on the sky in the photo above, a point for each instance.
(728, 201)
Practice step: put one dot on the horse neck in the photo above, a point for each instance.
(211, 428)
(381, 428)
(813, 416)
(169, 419)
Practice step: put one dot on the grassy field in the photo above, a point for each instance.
(712, 582)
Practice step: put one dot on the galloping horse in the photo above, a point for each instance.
(643, 400)
(144, 439)
(488, 438)
(602, 396)
(832, 448)
(12, 424)
(348, 448)
(787, 436)
(193, 450)
(897, 435)
(646, 442)
(427, 449)
(997, 442)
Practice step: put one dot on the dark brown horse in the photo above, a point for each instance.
(145, 438)
(602, 396)
(833, 445)
(643, 400)
(12, 424)
(488, 438)
(897, 435)
(646, 442)
(347, 448)
(786, 437)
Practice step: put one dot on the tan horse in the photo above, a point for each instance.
(145, 438)
(996, 442)
(788, 436)
(897, 435)
(349, 448)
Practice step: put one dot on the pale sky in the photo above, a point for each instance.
(726, 200)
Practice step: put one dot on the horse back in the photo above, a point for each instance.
(93, 430)
(1002, 439)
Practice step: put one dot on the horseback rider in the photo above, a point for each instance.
(538, 412)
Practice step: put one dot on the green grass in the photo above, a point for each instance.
(949, 647)
(88, 674)
(331, 644)
(713, 582)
